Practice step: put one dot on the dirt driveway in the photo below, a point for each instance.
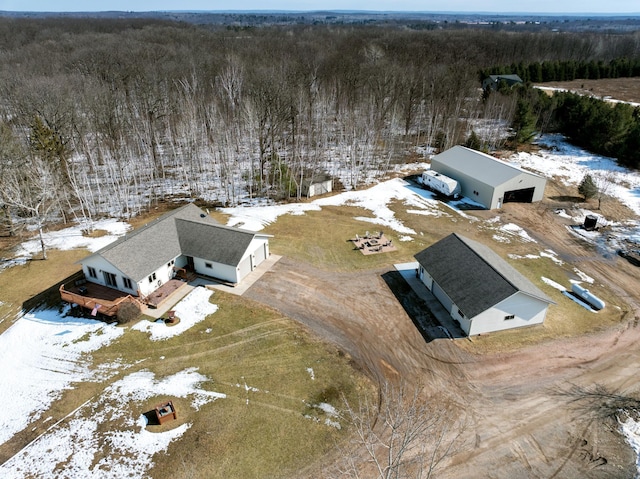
(517, 423)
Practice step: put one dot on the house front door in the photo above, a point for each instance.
(190, 264)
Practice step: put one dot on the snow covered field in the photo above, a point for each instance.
(45, 352)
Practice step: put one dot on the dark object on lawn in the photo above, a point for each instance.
(591, 222)
(166, 412)
(171, 317)
(631, 256)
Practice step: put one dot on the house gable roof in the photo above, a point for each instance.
(511, 78)
(485, 168)
(472, 275)
(186, 230)
(220, 244)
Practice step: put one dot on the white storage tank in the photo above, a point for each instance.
(440, 183)
(587, 296)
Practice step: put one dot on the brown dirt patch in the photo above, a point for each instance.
(518, 425)
(623, 89)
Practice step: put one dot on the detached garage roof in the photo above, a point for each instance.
(472, 275)
(485, 168)
(186, 230)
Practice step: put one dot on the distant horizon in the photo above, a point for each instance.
(445, 7)
(348, 11)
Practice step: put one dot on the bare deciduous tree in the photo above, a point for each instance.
(403, 435)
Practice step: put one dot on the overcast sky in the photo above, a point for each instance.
(502, 6)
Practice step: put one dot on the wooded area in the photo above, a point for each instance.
(107, 116)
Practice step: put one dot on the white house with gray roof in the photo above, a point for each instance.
(141, 261)
(479, 289)
(488, 180)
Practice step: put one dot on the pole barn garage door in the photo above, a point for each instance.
(519, 196)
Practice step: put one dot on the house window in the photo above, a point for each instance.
(127, 283)
(208, 265)
(110, 279)
(460, 313)
(152, 277)
(92, 271)
(510, 316)
(170, 263)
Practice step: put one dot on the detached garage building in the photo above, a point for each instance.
(479, 289)
(186, 238)
(487, 180)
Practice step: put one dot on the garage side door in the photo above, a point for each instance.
(442, 297)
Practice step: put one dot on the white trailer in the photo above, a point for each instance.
(440, 184)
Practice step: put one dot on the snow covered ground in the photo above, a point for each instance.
(45, 352)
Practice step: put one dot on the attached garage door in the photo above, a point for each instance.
(245, 268)
(260, 255)
(519, 196)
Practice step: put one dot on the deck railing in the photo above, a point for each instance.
(106, 308)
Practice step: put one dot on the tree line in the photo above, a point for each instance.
(605, 128)
(104, 116)
(567, 70)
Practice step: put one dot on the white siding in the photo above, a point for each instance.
(101, 265)
(220, 271)
(156, 279)
(425, 277)
(526, 310)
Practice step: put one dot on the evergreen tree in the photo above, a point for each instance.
(524, 122)
(587, 187)
(474, 142)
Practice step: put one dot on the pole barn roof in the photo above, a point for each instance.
(481, 166)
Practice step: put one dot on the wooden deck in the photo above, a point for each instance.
(373, 243)
(88, 295)
(156, 298)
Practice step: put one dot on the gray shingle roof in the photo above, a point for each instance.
(486, 168)
(472, 275)
(220, 244)
(186, 230)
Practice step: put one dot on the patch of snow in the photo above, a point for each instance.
(563, 213)
(631, 431)
(77, 448)
(74, 238)
(405, 238)
(557, 158)
(583, 277)
(552, 255)
(192, 309)
(510, 230)
(311, 374)
(553, 284)
(526, 256)
(43, 353)
(375, 199)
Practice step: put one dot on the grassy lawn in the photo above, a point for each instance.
(36, 278)
(272, 371)
(322, 238)
(326, 246)
(268, 426)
